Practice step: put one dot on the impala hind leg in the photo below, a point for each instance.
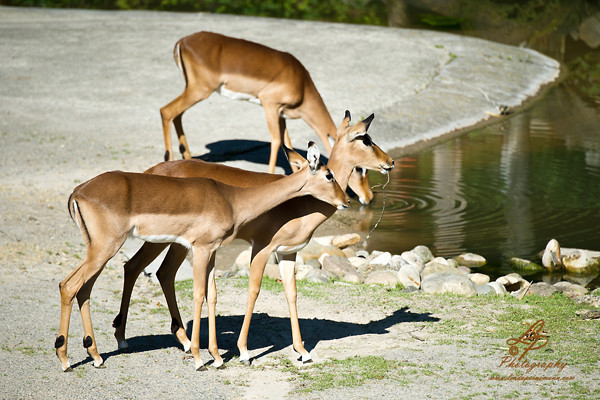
(277, 131)
(79, 284)
(166, 277)
(287, 266)
(257, 267)
(132, 269)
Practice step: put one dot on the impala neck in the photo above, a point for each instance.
(341, 168)
(254, 201)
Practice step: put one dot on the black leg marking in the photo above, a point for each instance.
(174, 326)
(60, 341)
(87, 342)
(182, 149)
(167, 155)
(118, 321)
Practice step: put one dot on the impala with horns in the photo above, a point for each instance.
(245, 70)
(197, 213)
(284, 229)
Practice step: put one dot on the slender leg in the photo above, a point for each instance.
(132, 268)
(173, 112)
(257, 267)
(211, 300)
(276, 131)
(201, 260)
(288, 277)
(166, 276)
(89, 341)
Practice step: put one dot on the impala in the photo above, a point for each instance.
(284, 229)
(245, 70)
(197, 213)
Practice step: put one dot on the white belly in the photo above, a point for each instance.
(290, 249)
(161, 238)
(223, 91)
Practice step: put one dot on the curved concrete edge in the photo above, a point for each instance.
(100, 78)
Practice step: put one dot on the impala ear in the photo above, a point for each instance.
(313, 155)
(344, 124)
(295, 159)
(367, 121)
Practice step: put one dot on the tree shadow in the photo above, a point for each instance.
(255, 151)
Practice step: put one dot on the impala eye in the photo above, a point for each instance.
(329, 176)
(367, 140)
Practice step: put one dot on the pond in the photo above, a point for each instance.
(503, 190)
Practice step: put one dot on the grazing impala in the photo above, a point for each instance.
(284, 229)
(245, 70)
(198, 213)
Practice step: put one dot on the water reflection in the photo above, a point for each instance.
(502, 191)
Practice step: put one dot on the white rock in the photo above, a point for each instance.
(408, 275)
(479, 279)
(444, 282)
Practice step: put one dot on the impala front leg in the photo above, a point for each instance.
(201, 260)
(211, 301)
(288, 277)
(257, 267)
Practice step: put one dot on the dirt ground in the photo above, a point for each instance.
(61, 124)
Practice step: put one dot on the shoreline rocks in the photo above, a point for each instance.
(334, 258)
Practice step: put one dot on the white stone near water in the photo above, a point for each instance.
(408, 275)
(444, 282)
(387, 278)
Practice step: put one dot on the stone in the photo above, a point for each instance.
(362, 253)
(337, 265)
(412, 258)
(581, 261)
(387, 278)
(551, 259)
(541, 289)
(479, 279)
(444, 282)
(243, 260)
(396, 262)
(315, 250)
(570, 290)
(302, 271)
(349, 252)
(470, 260)
(319, 276)
(423, 253)
(498, 288)
(485, 289)
(341, 268)
(461, 269)
(313, 262)
(512, 282)
(272, 271)
(436, 266)
(408, 275)
(524, 266)
(345, 240)
(380, 258)
(357, 261)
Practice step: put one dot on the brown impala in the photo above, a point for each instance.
(284, 229)
(197, 213)
(245, 70)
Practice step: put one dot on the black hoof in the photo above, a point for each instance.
(70, 369)
(201, 368)
(246, 363)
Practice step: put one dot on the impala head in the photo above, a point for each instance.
(354, 144)
(320, 180)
